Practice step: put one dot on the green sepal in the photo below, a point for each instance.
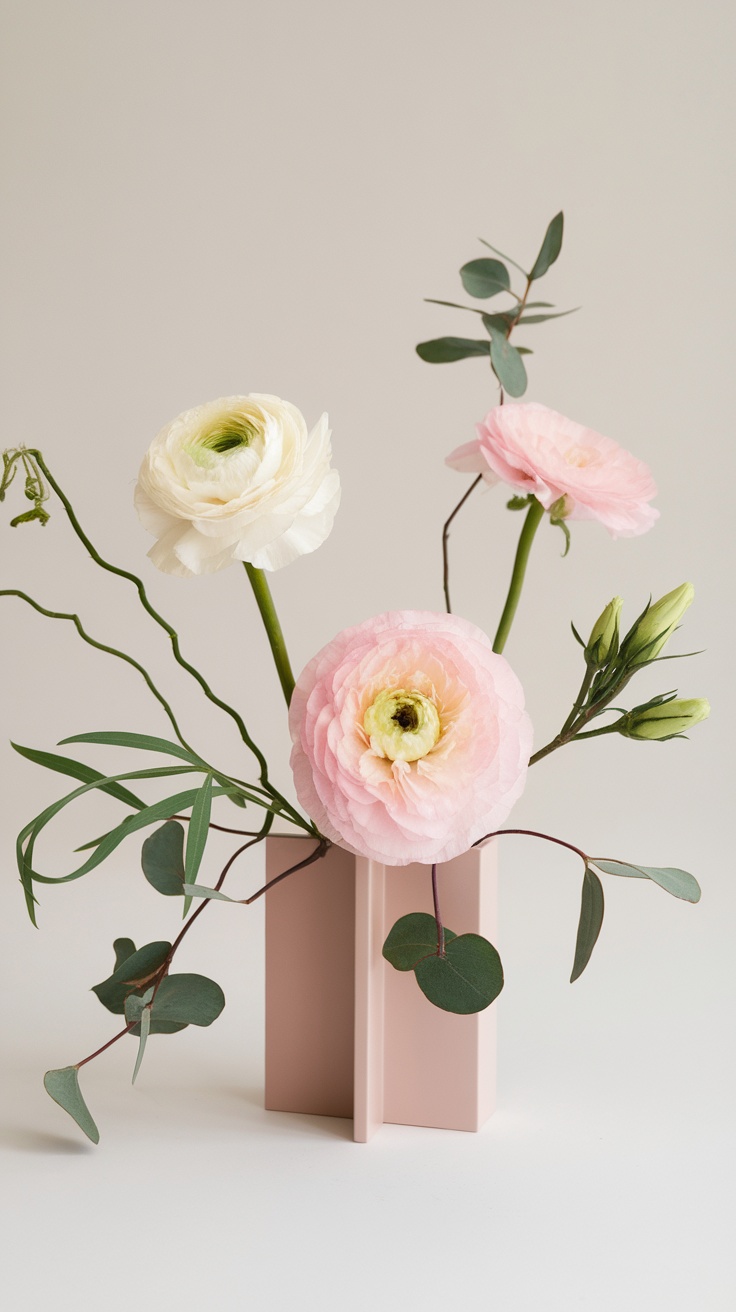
(63, 1086)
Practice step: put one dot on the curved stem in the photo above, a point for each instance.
(445, 540)
(320, 851)
(101, 646)
(262, 593)
(532, 521)
(143, 598)
(535, 833)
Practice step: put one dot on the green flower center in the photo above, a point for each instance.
(402, 724)
(226, 433)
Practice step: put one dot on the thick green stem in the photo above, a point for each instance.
(533, 519)
(262, 592)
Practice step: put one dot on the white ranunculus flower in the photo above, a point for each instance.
(239, 479)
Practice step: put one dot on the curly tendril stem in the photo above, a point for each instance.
(42, 468)
(101, 646)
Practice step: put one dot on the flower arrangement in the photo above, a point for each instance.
(411, 742)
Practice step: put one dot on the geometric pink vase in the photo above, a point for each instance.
(346, 1034)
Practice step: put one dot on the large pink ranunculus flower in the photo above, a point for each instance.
(537, 450)
(410, 737)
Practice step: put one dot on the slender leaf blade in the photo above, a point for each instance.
(77, 770)
(680, 883)
(550, 248)
(197, 835)
(542, 318)
(142, 741)
(144, 1029)
(445, 350)
(63, 1086)
(508, 365)
(591, 919)
(199, 890)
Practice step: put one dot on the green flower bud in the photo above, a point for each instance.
(603, 640)
(666, 719)
(655, 627)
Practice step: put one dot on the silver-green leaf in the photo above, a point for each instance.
(591, 919)
(550, 249)
(680, 883)
(63, 1086)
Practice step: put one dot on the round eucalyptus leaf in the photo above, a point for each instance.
(162, 859)
(483, 278)
(411, 938)
(466, 979)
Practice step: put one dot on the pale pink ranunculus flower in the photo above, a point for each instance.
(410, 737)
(535, 449)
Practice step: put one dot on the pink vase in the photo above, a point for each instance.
(346, 1034)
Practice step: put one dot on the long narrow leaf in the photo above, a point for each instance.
(34, 827)
(591, 919)
(197, 835)
(77, 770)
(143, 741)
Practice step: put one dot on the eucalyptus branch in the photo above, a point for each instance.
(517, 580)
(101, 646)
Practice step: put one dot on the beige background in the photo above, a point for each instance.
(206, 199)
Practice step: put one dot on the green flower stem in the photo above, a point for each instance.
(262, 592)
(532, 521)
(36, 456)
(101, 646)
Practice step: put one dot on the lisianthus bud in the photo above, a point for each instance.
(665, 720)
(651, 632)
(603, 640)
